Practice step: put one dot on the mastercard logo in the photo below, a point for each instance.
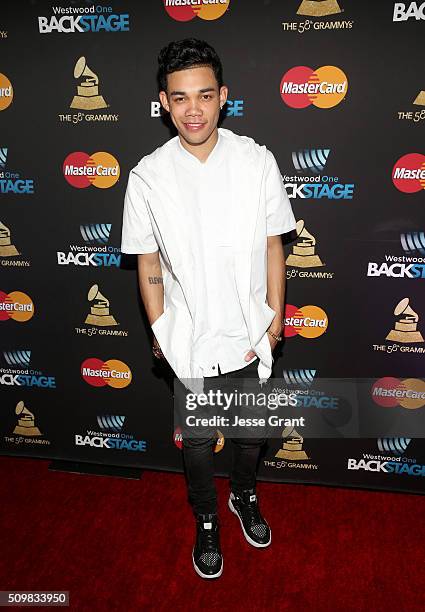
(307, 321)
(325, 87)
(408, 393)
(113, 373)
(6, 92)
(99, 169)
(409, 173)
(185, 10)
(178, 440)
(17, 306)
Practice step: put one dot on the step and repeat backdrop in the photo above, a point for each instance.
(336, 90)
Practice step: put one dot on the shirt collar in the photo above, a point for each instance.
(212, 160)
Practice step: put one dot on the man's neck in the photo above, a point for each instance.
(202, 150)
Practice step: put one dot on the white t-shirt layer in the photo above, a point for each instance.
(220, 337)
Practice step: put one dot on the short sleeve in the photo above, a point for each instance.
(137, 236)
(280, 218)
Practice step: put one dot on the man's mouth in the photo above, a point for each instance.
(194, 126)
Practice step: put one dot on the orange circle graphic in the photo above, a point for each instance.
(212, 12)
(108, 170)
(120, 376)
(315, 322)
(333, 87)
(24, 306)
(6, 92)
(415, 388)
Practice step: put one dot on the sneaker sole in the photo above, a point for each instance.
(198, 571)
(247, 537)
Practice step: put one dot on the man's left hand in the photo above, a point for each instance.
(273, 344)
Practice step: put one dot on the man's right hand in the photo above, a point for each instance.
(151, 291)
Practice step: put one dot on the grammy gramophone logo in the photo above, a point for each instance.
(417, 115)
(7, 249)
(405, 328)
(292, 446)
(99, 310)
(26, 424)
(420, 99)
(303, 251)
(318, 8)
(87, 97)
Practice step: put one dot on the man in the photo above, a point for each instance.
(205, 213)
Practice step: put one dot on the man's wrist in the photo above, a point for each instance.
(276, 329)
(276, 325)
(276, 337)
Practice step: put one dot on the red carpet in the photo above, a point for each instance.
(123, 545)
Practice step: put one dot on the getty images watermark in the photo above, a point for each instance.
(316, 408)
(230, 401)
(239, 407)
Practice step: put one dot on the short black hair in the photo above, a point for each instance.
(187, 53)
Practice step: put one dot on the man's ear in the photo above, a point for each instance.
(224, 92)
(164, 101)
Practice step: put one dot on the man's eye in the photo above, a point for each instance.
(207, 96)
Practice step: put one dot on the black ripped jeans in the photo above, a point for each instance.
(198, 454)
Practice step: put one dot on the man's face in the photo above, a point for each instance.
(193, 101)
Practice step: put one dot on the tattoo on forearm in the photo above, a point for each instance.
(155, 280)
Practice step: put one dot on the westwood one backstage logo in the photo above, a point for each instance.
(82, 19)
(409, 10)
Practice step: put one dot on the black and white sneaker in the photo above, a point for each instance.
(206, 555)
(255, 528)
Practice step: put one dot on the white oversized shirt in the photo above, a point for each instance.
(220, 335)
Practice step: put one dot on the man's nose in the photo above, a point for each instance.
(194, 107)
